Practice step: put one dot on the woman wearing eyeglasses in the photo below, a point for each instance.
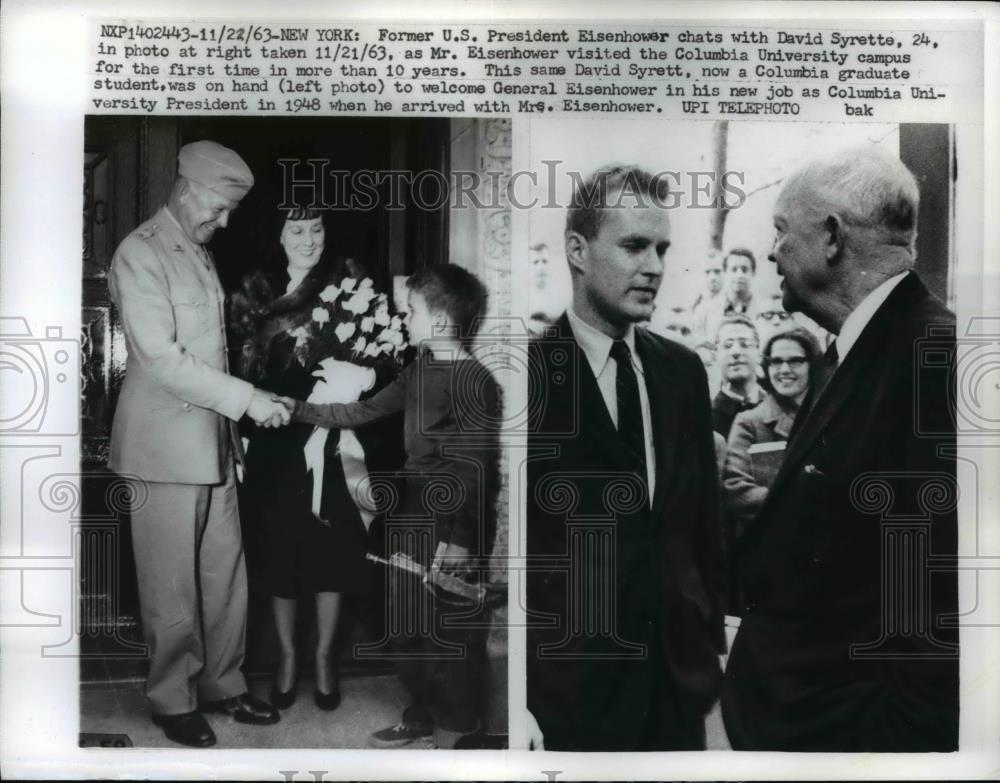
(757, 438)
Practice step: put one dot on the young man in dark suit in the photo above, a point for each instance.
(625, 568)
(845, 642)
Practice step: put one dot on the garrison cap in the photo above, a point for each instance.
(216, 167)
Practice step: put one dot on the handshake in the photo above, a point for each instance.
(270, 410)
(339, 381)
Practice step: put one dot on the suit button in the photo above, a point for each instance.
(187, 406)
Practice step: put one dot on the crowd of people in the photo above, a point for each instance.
(759, 359)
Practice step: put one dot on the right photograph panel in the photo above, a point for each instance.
(741, 497)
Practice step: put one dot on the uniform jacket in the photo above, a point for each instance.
(178, 404)
(637, 575)
(845, 643)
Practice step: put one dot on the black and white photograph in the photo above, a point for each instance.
(742, 491)
(294, 427)
(593, 391)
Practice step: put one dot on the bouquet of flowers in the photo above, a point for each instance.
(347, 335)
(352, 323)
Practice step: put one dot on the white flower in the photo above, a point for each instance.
(340, 381)
(330, 293)
(347, 284)
(359, 345)
(396, 323)
(372, 350)
(301, 335)
(366, 283)
(358, 303)
(344, 331)
(392, 336)
(382, 299)
(367, 324)
(382, 314)
(386, 347)
(320, 315)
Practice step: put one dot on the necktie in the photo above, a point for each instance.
(827, 367)
(819, 378)
(629, 409)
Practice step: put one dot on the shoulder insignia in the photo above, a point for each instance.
(146, 231)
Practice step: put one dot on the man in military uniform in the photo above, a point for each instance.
(174, 435)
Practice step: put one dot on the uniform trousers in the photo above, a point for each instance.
(192, 591)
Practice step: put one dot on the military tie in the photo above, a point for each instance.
(629, 409)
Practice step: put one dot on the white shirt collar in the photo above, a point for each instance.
(596, 345)
(754, 397)
(856, 322)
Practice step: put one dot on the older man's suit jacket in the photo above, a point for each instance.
(845, 642)
(178, 404)
(624, 599)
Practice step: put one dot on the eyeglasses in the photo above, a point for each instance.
(742, 343)
(794, 362)
(774, 315)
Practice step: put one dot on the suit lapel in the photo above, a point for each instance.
(663, 402)
(866, 353)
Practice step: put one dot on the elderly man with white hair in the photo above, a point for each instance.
(848, 640)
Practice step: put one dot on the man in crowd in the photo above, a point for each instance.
(713, 283)
(847, 642)
(738, 349)
(626, 612)
(174, 434)
(772, 317)
(739, 266)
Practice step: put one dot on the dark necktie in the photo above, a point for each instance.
(819, 378)
(827, 367)
(629, 409)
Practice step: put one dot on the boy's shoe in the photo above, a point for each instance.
(402, 735)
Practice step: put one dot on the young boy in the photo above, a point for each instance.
(452, 411)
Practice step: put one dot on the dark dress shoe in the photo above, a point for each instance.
(189, 728)
(284, 699)
(245, 709)
(327, 701)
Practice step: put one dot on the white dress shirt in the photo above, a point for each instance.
(856, 322)
(596, 346)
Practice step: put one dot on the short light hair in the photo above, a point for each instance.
(865, 186)
(593, 195)
(737, 320)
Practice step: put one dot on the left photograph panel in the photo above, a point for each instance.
(294, 514)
